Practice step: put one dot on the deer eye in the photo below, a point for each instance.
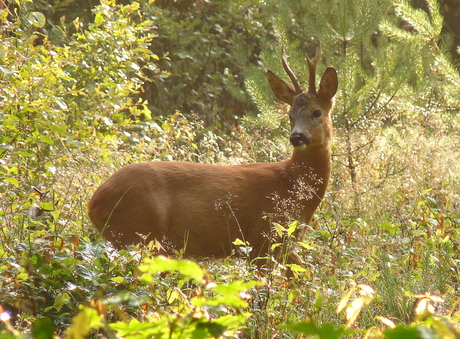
(317, 113)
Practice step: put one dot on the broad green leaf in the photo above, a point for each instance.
(25, 154)
(296, 268)
(118, 280)
(46, 140)
(135, 327)
(58, 129)
(12, 181)
(43, 329)
(164, 264)
(146, 278)
(325, 331)
(235, 288)
(37, 19)
(47, 206)
(61, 300)
(305, 245)
(86, 320)
(403, 331)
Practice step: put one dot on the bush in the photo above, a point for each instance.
(209, 44)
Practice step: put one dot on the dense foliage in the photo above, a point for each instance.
(88, 87)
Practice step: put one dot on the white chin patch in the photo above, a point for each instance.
(301, 147)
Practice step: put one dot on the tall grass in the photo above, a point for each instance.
(401, 240)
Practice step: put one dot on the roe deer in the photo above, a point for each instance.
(203, 208)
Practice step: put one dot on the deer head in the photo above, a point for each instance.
(309, 113)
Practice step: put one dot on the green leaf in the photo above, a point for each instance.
(86, 320)
(164, 264)
(43, 329)
(58, 129)
(3, 14)
(46, 140)
(146, 278)
(118, 280)
(202, 329)
(304, 327)
(12, 181)
(25, 154)
(37, 19)
(134, 326)
(325, 331)
(61, 300)
(55, 214)
(402, 331)
(99, 19)
(235, 288)
(296, 268)
(305, 245)
(47, 206)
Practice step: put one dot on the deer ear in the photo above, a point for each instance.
(329, 84)
(283, 90)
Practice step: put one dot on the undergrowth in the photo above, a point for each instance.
(391, 267)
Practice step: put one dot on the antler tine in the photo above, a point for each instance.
(312, 64)
(291, 74)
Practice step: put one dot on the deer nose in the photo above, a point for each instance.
(299, 140)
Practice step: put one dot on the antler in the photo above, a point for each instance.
(291, 74)
(312, 66)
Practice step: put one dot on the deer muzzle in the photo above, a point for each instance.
(299, 140)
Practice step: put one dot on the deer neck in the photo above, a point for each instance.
(312, 165)
(309, 171)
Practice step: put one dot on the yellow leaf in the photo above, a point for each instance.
(82, 323)
(366, 289)
(353, 311)
(239, 242)
(343, 302)
(386, 321)
(118, 280)
(99, 19)
(278, 229)
(296, 268)
(11, 180)
(292, 227)
(172, 295)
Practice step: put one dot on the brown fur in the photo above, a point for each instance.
(204, 208)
